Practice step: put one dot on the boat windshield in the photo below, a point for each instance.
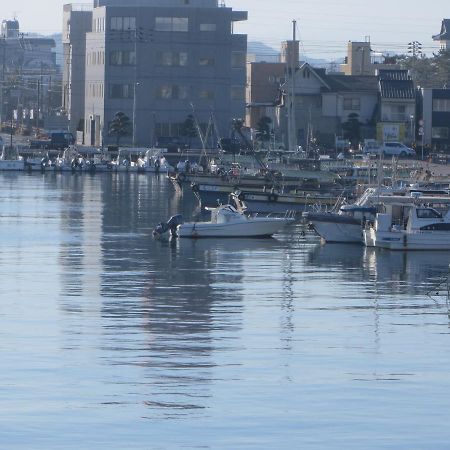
(428, 213)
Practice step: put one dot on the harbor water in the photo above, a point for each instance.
(112, 340)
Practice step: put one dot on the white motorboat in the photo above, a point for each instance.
(226, 222)
(411, 226)
(10, 160)
(347, 225)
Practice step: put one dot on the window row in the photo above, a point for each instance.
(168, 92)
(95, 90)
(172, 24)
(122, 58)
(95, 58)
(163, 58)
(441, 105)
(440, 133)
(123, 23)
(98, 25)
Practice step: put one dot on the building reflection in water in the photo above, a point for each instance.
(162, 310)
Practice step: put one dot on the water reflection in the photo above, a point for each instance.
(391, 272)
(247, 341)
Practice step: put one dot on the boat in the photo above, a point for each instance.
(226, 222)
(274, 202)
(130, 160)
(10, 160)
(347, 224)
(411, 226)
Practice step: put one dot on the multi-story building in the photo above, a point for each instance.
(397, 106)
(444, 36)
(77, 21)
(157, 61)
(28, 76)
(435, 114)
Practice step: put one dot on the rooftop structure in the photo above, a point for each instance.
(444, 36)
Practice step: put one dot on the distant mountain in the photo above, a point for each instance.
(259, 52)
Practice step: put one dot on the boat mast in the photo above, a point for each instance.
(291, 70)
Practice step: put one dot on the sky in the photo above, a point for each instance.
(324, 27)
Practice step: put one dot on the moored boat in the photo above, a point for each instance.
(226, 222)
(414, 226)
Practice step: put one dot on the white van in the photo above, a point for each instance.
(389, 149)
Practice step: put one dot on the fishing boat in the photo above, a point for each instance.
(347, 224)
(226, 222)
(10, 160)
(413, 226)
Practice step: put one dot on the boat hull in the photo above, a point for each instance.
(12, 165)
(335, 231)
(263, 227)
(402, 240)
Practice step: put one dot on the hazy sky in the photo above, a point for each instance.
(324, 26)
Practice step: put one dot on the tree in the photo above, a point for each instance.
(189, 129)
(352, 129)
(120, 126)
(263, 129)
(428, 72)
(237, 128)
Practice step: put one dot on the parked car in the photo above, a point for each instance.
(389, 149)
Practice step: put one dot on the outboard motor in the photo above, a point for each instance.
(171, 226)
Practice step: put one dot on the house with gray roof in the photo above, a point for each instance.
(324, 102)
(444, 36)
(397, 106)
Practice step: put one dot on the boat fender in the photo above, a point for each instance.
(194, 187)
(241, 196)
(273, 197)
(181, 177)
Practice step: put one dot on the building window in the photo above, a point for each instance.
(208, 27)
(237, 60)
(122, 58)
(123, 23)
(237, 93)
(440, 133)
(441, 105)
(172, 24)
(352, 104)
(172, 58)
(121, 91)
(206, 62)
(206, 95)
(172, 92)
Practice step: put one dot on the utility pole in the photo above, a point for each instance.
(2, 84)
(415, 48)
(38, 107)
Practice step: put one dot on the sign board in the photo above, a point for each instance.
(391, 132)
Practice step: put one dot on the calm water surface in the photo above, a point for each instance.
(109, 339)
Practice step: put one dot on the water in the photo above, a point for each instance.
(109, 339)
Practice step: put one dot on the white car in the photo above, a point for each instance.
(389, 149)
